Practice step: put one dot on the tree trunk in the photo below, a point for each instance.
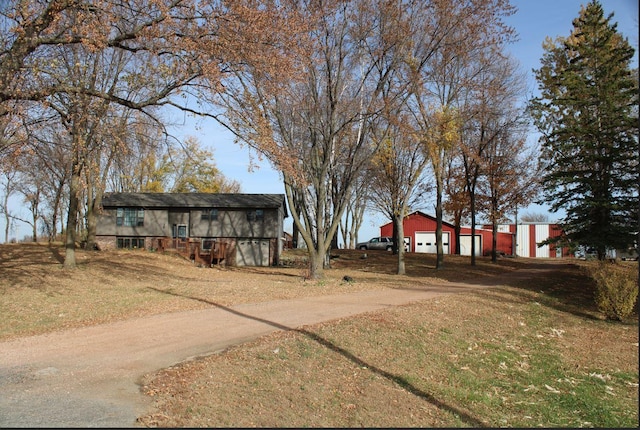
(72, 219)
(316, 263)
(74, 204)
(439, 244)
(473, 227)
(344, 228)
(94, 202)
(318, 249)
(34, 208)
(457, 229)
(7, 220)
(56, 213)
(8, 189)
(295, 235)
(92, 219)
(515, 235)
(334, 241)
(399, 243)
(395, 235)
(494, 241)
(34, 230)
(358, 216)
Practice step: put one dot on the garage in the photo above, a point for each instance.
(421, 228)
(252, 252)
(426, 242)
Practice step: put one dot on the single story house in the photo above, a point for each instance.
(420, 236)
(246, 229)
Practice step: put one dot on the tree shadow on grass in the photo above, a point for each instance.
(563, 286)
(30, 254)
(28, 264)
(402, 382)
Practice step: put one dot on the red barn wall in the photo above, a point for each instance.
(419, 223)
(416, 223)
(531, 239)
(504, 240)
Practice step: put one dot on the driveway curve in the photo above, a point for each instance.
(89, 377)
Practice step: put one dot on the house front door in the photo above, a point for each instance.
(180, 231)
(179, 222)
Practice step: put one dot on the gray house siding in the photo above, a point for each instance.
(248, 218)
(156, 223)
(234, 223)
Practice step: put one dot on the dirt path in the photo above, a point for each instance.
(89, 377)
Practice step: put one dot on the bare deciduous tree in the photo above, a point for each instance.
(487, 115)
(446, 36)
(354, 213)
(534, 217)
(509, 168)
(397, 172)
(313, 124)
(80, 58)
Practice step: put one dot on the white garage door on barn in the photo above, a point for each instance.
(465, 245)
(529, 235)
(252, 252)
(542, 233)
(522, 242)
(426, 242)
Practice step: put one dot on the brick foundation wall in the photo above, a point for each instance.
(106, 242)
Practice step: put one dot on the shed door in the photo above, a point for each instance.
(426, 242)
(465, 245)
(252, 252)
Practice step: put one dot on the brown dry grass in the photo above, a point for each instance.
(534, 352)
(38, 295)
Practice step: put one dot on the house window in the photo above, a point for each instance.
(209, 215)
(256, 215)
(130, 217)
(130, 242)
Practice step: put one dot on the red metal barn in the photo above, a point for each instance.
(420, 236)
(504, 241)
(529, 235)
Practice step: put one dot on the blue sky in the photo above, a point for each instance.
(535, 20)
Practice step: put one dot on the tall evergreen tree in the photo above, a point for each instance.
(587, 114)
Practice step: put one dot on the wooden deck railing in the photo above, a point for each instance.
(191, 249)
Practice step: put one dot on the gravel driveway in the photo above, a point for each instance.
(89, 377)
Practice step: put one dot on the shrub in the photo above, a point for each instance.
(616, 289)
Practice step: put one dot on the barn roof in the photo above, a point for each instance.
(448, 224)
(424, 215)
(195, 200)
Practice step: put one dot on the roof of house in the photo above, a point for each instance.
(194, 200)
